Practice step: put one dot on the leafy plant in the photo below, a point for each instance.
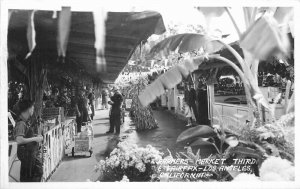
(226, 144)
(255, 47)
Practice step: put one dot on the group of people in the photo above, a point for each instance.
(28, 141)
(196, 103)
(86, 100)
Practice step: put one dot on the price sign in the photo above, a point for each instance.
(128, 103)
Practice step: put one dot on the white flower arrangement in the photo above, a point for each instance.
(129, 156)
(277, 169)
(124, 179)
(272, 169)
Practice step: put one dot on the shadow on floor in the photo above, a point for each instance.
(100, 119)
(101, 124)
(77, 156)
(100, 135)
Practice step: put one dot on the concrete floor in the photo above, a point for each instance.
(81, 167)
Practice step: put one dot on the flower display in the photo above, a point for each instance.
(277, 169)
(136, 163)
(272, 169)
(124, 179)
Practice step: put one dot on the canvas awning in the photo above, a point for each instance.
(124, 32)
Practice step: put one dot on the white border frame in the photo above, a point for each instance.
(86, 4)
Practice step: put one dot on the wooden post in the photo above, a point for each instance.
(211, 102)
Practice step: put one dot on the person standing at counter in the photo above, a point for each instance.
(188, 110)
(115, 115)
(192, 103)
(91, 98)
(31, 170)
(203, 104)
(104, 98)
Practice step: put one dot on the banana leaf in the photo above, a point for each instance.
(232, 141)
(169, 79)
(201, 142)
(263, 39)
(186, 42)
(283, 14)
(203, 131)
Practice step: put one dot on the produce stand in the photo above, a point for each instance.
(53, 143)
(69, 133)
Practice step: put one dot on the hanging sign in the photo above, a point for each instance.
(128, 103)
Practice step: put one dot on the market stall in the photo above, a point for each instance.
(50, 74)
(58, 136)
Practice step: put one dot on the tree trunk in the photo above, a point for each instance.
(37, 76)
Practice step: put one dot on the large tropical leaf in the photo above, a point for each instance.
(169, 79)
(203, 131)
(201, 142)
(264, 39)
(284, 14)
(187, 42)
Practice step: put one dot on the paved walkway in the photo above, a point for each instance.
(80, 168)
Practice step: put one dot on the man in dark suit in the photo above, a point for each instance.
(115, 114)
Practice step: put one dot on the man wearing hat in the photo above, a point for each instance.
(115, 114)
(81, 109)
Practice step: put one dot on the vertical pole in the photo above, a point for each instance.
(211, 102)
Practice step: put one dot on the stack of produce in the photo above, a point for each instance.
(142, 116)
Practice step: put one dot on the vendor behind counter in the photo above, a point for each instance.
(28, 144)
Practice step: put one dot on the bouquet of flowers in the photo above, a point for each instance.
(136, 163)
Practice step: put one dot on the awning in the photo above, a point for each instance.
(124, 32)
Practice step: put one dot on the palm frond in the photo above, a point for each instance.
(187, 42)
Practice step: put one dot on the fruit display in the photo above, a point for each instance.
(142, 116)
